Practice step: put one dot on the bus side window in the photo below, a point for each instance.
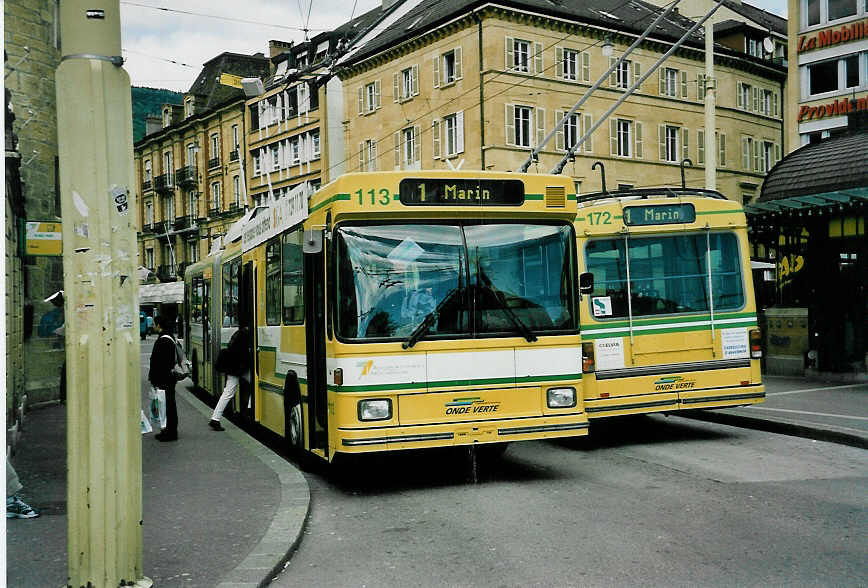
(293, 278)
(272, 283)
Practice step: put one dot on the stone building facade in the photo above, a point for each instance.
(32, 45)
(479, 85)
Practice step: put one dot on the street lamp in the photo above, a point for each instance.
(608, 48)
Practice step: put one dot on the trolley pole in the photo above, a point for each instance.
(104, 456)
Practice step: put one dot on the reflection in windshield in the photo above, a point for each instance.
(391, 277)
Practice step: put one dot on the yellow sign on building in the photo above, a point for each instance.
(41, 238)
(230, 80)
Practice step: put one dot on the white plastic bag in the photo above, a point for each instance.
(157, 406)
(146, 424)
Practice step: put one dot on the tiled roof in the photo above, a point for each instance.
(762, 17)
(827, 166)
(210, 93)
(632, 15)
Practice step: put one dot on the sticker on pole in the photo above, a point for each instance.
(121, 200)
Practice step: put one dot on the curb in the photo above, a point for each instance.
(268, 558)
(782, 426)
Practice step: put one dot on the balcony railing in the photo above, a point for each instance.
(163, 183)
(159, 228)
(214, 162)
(233, 155)
(186, 176)
(213, 211)
(183, 222)
(146, 185)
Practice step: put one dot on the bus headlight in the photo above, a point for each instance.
(379, 409)
(561, 397)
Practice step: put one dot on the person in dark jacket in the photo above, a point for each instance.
(235, 363)
(163, 359)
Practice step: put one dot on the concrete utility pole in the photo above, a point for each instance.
(710, 120)
(94, 128)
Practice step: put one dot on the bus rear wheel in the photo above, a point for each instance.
(296, 428)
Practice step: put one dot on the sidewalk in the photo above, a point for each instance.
(219, 508)
(812, 408)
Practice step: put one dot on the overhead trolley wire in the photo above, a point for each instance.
(220, 17)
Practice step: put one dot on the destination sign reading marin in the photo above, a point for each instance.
(659, 214)
(470, 192)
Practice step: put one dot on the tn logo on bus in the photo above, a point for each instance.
(366, 366)
(673, 383)
(469, 405)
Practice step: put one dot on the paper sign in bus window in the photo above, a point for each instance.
(602, 305)
(734, 343)
(609, 353)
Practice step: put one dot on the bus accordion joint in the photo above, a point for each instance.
(587, 358)
(756, 351)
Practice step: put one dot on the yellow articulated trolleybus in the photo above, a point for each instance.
(404, 310)
(671, 321)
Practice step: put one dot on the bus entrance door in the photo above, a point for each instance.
(247, 318)
(314, 310)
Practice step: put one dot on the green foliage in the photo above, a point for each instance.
(149, 101)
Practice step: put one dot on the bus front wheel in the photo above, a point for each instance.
(296, 428)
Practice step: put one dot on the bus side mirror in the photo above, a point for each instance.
(586, 283)
(312, 241)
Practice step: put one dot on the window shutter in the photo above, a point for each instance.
(417, 143)
(637, 73)
(700, 147)
(540, 126)
(739, 95)
(777, 152)
(587, 123)
(639, 151)
(661, 77)
(756, 94)
(398, 150)
(685, 143)
(745, 153)
(559, 136)
(414, 80)
(372, 165)
(613, 137)
(458, 69)
(721, 155)
(559, 62)
(510, 124)
(613, 77)
(775, 111)
(362, 156)
(700, 86)
(395, 89)
(684, 84)
(538, 57)
(376, 94)
(586, 66)
(459, 132)
(437, 71)
(661, 140)
(435, 135)
(362, 100)
(509, 53)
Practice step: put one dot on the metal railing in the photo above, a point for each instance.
(186, 176)
(163, 183)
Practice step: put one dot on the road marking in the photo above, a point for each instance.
(823, 414)
(815, 389)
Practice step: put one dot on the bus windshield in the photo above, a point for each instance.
(484, 280)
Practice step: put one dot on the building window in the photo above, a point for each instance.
(235, 137)
(623, 74)
(149, 259)
(747, 151)
(294, 151)
(167, 164)
(193, 251)
(149, 214)
(257, 163)
(369, 97)
(407, 148)
(450, 67)
(215, 148)
(188, 107)
(236, 190)
(624, 132)
(823, 11)
(406, 83)
(571, 64)
(169, 208)
(521, 53)
(522, 122)
(669, 82)
(368, 155)
(148, 171)
(569, 133)
(744, 93)
(669, 149)
(454, 129)
(215, 196)
(315, 152)
(275, 158)
(192, 204)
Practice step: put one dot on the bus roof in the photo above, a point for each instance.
(644, 193)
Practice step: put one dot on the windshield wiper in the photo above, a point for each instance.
(522, 328)
(422, 328)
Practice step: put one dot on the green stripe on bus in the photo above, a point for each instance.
(534, 197)
(626, 333)
(667, 321)
(328, 201)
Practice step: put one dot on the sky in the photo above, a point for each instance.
(166, 42)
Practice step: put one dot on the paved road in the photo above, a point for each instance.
(650, 501)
